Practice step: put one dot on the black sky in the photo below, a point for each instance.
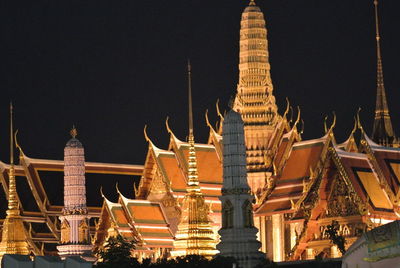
(110, 67)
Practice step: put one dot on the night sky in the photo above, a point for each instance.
(110, 67)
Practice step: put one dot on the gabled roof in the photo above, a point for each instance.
(290, 185)
(173, 167)
(149, 220)
(386, 162)
(365, 181)
(142, 220)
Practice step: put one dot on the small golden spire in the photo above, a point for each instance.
(252, 3)
(11, 136)
(190, 99)
(13, 207)
(194, 234)
(14, 236)
(73, 132)
(193, 181)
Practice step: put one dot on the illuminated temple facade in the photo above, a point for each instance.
(299, 186)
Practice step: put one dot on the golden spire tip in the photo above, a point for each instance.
(73, 132)
(11, 136)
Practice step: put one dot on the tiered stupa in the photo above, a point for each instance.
(75, 238)
(14, 237)
(254, 98)
(238, 234)
(382, 132)
(195, 234)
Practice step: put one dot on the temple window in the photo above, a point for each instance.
(227, 215)
(247, 210)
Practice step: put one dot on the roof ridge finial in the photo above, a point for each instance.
(252, 3)
(73, 131)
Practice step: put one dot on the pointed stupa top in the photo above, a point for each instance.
(252, 7)
(382, 131)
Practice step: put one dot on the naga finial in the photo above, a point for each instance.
(287, 108)
(21, 153)
(334, 121)
(167, 125)
(146, 137)
(358, 119)
(117, 188)
(298, 116)
(302, 127)
(207, 121)
(325, 127)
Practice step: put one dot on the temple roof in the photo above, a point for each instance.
(140, 219)
(364, 180)
(289, 185)
(36, 193)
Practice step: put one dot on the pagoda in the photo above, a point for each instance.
(14, 237)
(75, 238)
(195, 235)
(382, 132)
(254, 98)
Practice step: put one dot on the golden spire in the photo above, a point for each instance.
(14, 238)
(193, 181)
(252, 3)
(195, 235)
(13, 207)
(382, 131)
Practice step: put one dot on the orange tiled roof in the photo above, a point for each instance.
(389, 162)
(141, 219)
(364, 180)
(302, 157)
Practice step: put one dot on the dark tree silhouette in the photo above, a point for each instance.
(333, 232)
(117, 254)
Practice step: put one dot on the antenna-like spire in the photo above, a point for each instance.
(12, 188)
(193, 181)
(380, 81)
(382, 129)
(189, 68)
(11, 136)
(194, 234)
